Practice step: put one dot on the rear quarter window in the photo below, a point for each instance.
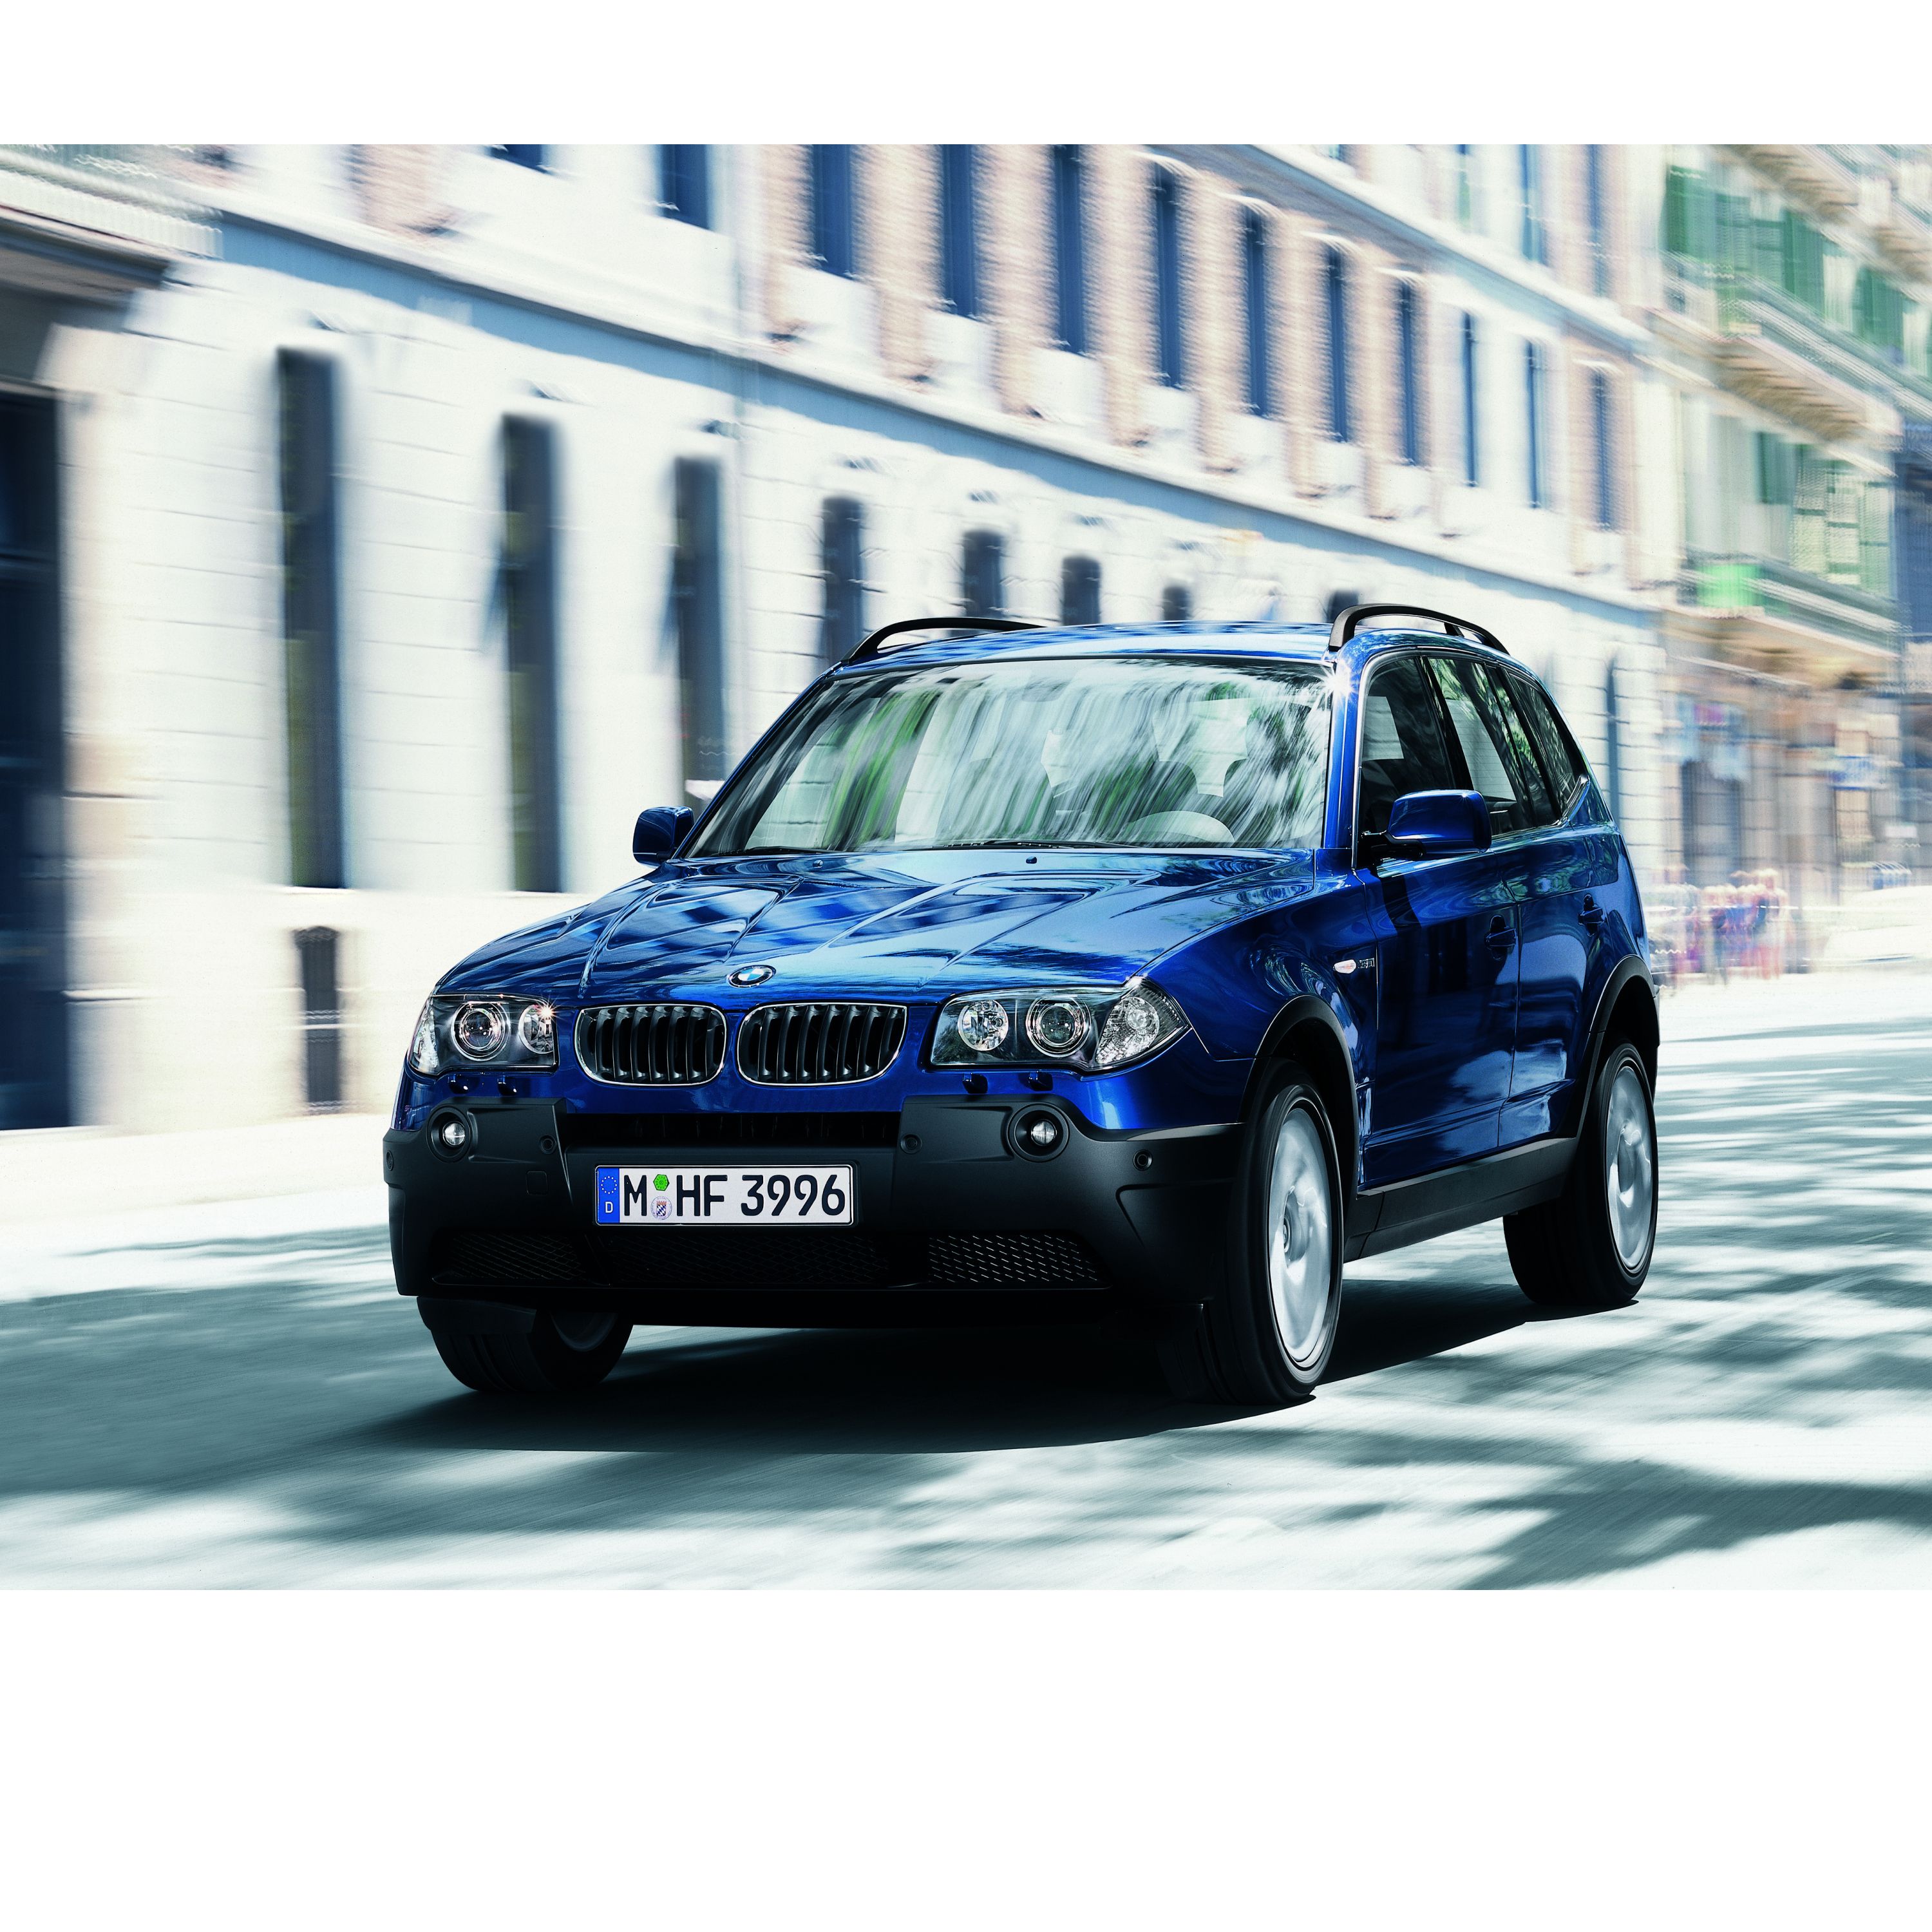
(1560, 759)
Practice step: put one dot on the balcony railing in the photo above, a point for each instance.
(1736, 304)
(124, 191)
(1738, 584)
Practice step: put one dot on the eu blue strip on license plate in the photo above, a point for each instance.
(724, 1197)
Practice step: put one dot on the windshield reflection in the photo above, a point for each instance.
(1129, 752)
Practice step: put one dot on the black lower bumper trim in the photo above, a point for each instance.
(1144, 1214)
(789, 1257)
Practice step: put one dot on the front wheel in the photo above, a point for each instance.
(1268, 1338)
(1591, 1247)
(558, 1354)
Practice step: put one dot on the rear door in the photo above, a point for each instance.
(1572, 865)
(1445, 1007)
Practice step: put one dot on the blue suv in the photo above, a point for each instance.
(1154, 971)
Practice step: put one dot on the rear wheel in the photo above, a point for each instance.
(1268, 1337)
(560, 1353)
(1591, 1247)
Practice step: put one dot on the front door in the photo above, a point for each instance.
(1446, 965)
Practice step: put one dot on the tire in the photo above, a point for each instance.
(558, 1356)
(1591, 1246)
(1266, 1339)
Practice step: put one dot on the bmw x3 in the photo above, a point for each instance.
(1147, 971)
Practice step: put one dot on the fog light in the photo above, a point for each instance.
(1040, 1131)
(451, 1133)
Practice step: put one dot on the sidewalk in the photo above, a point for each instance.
(81, 1174)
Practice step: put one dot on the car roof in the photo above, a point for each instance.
(1261, 639)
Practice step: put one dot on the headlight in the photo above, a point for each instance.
(505, 1030)
(1091, 1030)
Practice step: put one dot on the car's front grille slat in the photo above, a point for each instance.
(815, 1043)
(663, 1044)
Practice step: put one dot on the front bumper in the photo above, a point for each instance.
(945, 1207)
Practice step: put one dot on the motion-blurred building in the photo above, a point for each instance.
(1791, 324)
(381, 527)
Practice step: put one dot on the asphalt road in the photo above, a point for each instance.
(237, 1397)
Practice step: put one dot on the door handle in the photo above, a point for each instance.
(1501, 935)
(1592, 913)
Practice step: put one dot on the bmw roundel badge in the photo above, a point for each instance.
(752, 976)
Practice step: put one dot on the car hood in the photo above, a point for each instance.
(903, 924)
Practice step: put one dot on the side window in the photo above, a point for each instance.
(1487, 753)
(1403, 749)
(1531, 783)
(1559, 757)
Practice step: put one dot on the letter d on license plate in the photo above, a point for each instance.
(723, 1197)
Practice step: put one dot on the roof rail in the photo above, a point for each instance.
(1348, 622)
(870, 648)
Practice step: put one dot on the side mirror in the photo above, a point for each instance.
(1438, 824)
(660, 832)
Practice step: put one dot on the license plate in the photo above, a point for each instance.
(723, 1197)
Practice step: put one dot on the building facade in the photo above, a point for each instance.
(1789, 311)
(381, 527)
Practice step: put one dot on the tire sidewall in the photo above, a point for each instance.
(1621, 1055)
(564, 1365)
(1290, 1089)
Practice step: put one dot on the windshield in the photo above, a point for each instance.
(1124, 751)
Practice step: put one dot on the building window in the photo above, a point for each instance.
(1335, 279)
(1176, 603)
(35, 910)
(1601, 427)
(1080, 590)
(834, 216)
(311, 636)
(523, 157)
(1257, 311)
(1533, 415)
(1593, 196)
(1069, 250)
(316, 959)
(529, 633)
(1472, 462)
(1408, 371)
(959, 228)
(684, 183)
(1803, 260)
(1465, 186)
(1613, 758)
(841, 563)
(982, 575)
(697, 607)
(1169, 348)
(1529, 168)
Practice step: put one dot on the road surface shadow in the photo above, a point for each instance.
(903, 1391)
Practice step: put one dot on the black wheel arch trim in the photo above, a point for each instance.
(1343, 1122)
(1628, 969)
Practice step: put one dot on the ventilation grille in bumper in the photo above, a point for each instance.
(991, 1259)
(490, 1258)
(818, 1045)
(665, 1045)
(745, 1258)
